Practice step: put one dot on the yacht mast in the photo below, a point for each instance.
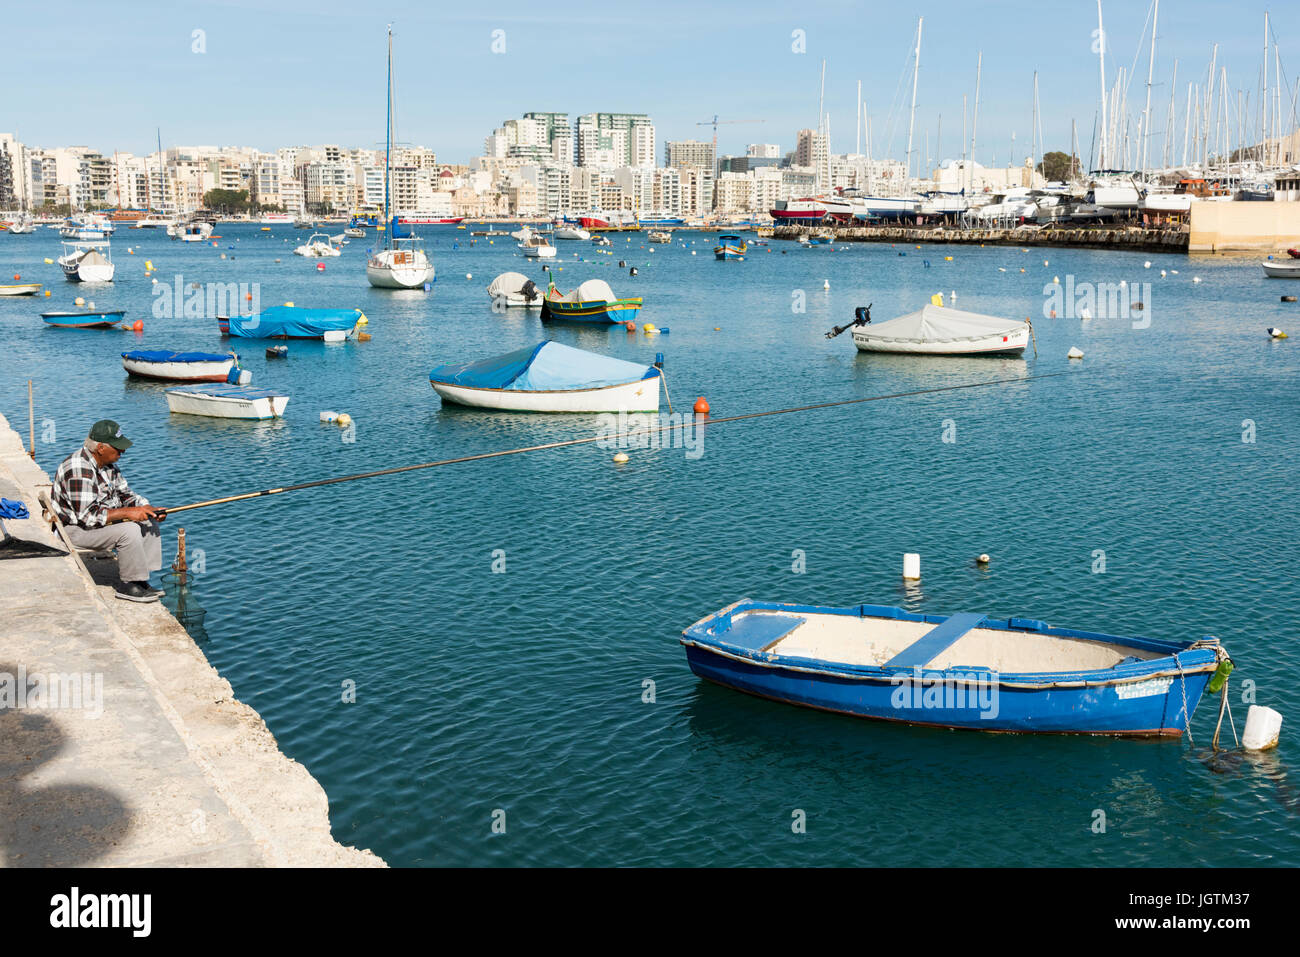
(1101, 66)
(857, 146)
(1146, 116)
(821, 127)
(975, 114)
(388, 146)
(1169, 119)
(916, 69)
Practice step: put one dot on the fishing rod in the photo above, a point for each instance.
(602, 438)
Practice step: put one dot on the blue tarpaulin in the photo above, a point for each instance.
(290, 322)
(547, 366)
(146, 355)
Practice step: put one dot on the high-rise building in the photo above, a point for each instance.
(615, 139)
(688, 153)
(763, 151)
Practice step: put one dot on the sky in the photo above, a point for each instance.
(108, 75)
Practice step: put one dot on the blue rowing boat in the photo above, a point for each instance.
(291, 322)
(956, 671)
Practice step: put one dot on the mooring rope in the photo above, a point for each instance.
(609, 438)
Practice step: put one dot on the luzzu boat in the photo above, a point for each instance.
(550, 377)
(962, 671)
(291, 322)
(593, 301)
(179, 366)
(730, 247)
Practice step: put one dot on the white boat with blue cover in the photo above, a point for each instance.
(227, 402)
(964, 671)
(179, 366)
(550, 377)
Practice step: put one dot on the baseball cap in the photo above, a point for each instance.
(110, 433)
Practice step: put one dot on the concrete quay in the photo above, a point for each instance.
(120, 745)
(1144, 238)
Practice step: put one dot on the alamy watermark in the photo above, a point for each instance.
(205, 300)
(947, 690)
(652, 430)
(74, 691)
(1098, 300)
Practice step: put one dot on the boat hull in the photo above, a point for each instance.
(538, 252)
(597, 312)
(1282, 270)
(1147, 698)
(1013, 343)
(92, 320)
(639, 396)
(21, 289)
(179, 371)
(223, 407)
(399, 277)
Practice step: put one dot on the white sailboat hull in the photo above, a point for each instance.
(639, 396)
(386, 272)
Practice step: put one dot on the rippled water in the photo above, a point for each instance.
(523, 691)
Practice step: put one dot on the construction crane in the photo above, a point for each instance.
(715, 123)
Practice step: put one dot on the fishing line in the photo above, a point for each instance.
(397, 470)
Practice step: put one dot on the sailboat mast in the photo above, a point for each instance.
(1101, 66)
(388, 145)
(857, 146)
(975, 113)
(916, 68)
(1146, 115)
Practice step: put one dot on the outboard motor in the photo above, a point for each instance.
(861, 316)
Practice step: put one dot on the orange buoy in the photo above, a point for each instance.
(248, 296)
(139, 325)
(16, 277)
(701, 406)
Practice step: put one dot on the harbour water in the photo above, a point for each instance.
(525, 690)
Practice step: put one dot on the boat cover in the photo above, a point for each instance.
(933, 323)
(593, 290)
(509, 283)
(145, 355)
(294, 323)
(545, 367)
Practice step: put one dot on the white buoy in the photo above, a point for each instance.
(1044, 262)
(469, 275)
(329, 416)
(1163, 274)
(826, 284)
(1196, 279)
(1056, 280)
(1174, 271)
(245, 377)
(1085, 314)
(1074, 353)
(620, 458)
(1263, 728)
(912, 566)
(983, 559)
(952, 297)
(1147, 264)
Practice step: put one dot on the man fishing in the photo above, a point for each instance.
(99, 510)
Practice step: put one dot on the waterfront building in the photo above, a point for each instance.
(615, 139)
(763, 151)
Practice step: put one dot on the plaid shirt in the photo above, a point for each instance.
(84, 491)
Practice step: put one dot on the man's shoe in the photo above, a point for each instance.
(135, 591)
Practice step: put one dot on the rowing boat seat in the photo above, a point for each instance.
(935, 641)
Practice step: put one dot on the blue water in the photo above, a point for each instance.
(523, 691)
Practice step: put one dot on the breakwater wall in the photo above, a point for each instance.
(1148, 238)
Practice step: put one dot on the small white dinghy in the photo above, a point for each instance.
(938, 331)
(550, 377)
(1282, 268)
(229, 402)
(511, 289)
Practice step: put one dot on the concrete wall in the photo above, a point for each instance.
(1267, 226)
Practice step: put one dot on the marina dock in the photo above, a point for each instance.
(1136, 238)
(120, 745)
